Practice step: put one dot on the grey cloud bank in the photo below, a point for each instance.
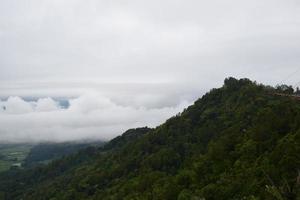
(89, 116)
(143, 59)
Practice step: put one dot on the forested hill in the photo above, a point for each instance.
(241, 141)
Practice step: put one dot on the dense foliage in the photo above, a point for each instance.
(241, 141)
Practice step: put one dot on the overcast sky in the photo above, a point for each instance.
(128, 63)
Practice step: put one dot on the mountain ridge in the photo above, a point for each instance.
(229, 144)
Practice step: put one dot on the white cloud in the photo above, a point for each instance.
(15, 105)
(46, 104)
(90, 116)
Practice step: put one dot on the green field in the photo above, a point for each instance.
(12, 155)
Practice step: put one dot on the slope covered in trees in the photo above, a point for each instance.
(236, 142)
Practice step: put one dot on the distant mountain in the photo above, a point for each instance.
(241, 141)
(46, 152)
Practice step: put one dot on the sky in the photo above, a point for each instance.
(128, 63)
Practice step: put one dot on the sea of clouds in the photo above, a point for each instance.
(89, 116)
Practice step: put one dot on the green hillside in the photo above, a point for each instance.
(241, 141)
